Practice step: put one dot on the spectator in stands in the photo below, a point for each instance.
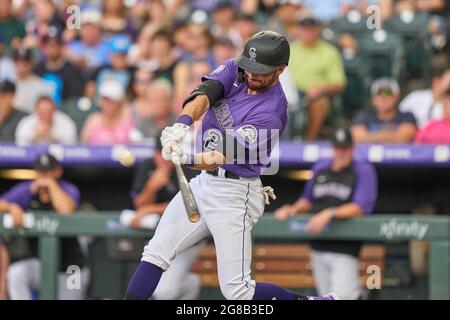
(11, 30)
(151, 118)
(317, 70)
(163, 55)
(154, 185)
(90, 52)
(9, 116)
(48, 192)
(140, 53)
(341, 189)
(115, 19)
(426, 104)
(46, 17)
(29, 87)
(285, 18)
(118, 68)
(384, 123)
(68, 80)
(246, 26)
(223, 16)
(7, 68)
(199, 45)
(328, 10)
(437, 131)
(4, 264)
(223, 49)
(46, 125)
(113, 124)
(187, 77)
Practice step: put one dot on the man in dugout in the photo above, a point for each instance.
(341, 188)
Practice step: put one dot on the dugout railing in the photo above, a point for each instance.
(380, 228)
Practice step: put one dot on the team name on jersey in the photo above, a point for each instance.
(223, 115)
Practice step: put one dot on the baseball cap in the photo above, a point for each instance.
(112, 89)
(119, 44)
(53, 33)
(308, 20)
(342, 138)
(45, 161)
(384, 86)
(23, 54)
(7, 86)
(91, 16)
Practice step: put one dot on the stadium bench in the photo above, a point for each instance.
(287, 265)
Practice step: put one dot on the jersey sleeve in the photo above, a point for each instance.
(366, 188)
(226, 74)
(20, 194)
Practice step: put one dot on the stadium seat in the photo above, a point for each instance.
(383, 52)
(413, 31)
(353, 23)
(79, 110)
(356, 95)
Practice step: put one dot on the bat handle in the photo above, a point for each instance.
(175, 159)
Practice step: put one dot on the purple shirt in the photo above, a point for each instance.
(255, 121)
(21, 195)
(357, 185)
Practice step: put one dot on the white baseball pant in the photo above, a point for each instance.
(178, 282)
(229, 210)
(337, 273)
(25, 275)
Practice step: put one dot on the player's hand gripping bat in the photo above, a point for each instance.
(186, 192)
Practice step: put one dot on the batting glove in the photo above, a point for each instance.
(174, 134)
(174, 152)
(268, 193)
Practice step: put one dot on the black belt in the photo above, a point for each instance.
(228, 174)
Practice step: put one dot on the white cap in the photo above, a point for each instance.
(112, 89)
(92, 16)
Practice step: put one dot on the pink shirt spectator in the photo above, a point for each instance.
(437, 131)
(96, 132)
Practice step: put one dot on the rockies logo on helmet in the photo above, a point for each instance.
(252, 54)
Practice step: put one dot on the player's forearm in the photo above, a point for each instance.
(196, 107)
(209, 160)
(348, 211)
(147, 196)
(61, 201)
(152, 208)
(302, 206)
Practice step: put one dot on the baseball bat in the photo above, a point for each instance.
(186, 192)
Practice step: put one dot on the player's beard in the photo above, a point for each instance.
(261, 85)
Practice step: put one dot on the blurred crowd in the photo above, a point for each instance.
(107, 72)
(117, 72)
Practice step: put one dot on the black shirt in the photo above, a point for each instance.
(333, 189)
(69, 80)
(370, 120)
(71, 253)
(144, 171)
(9, 125)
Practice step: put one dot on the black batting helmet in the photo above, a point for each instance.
(264, 52)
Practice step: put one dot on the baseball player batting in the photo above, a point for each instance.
(242, 99)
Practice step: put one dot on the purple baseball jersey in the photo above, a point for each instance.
(357, 184)
(21, 195)
(255, 121)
